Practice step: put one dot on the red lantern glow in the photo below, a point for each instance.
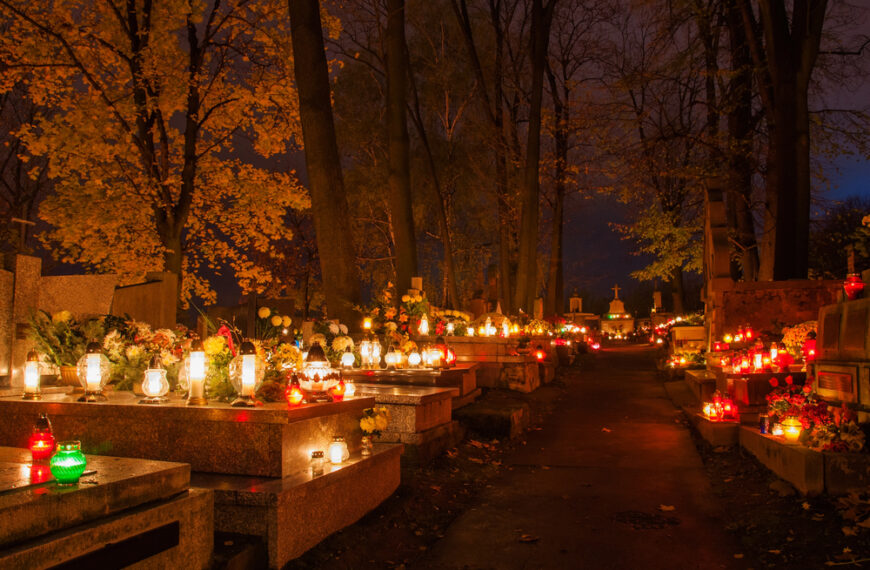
(39, 473)
(41, 442)
(853, 285)
(338, 392)
(294, 393)
(539, 353)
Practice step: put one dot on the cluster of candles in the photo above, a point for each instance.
(720, 409)
(336, 454)
(758, 359)
(65, 459)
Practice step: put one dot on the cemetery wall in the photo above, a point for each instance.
(762, 304)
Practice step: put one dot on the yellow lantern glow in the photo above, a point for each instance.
(347, 358)
(424, 326)
(367, 324)
(349, 390)
(791, 429)
(31, 376)
(195, 368)
(414, 359)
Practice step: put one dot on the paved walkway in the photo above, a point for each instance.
(612, 480)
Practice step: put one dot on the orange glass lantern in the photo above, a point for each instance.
(338, 391)
(41, 442)
(539, 353)
(294, 393)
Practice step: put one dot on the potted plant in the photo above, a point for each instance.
(63, 340)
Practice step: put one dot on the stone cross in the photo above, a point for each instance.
(616, 291)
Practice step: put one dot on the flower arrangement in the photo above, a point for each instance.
(130, 345)
(793, 337)
(374, 421)
(271, 325)
(824, 428)
(537, 327)
(61, 337)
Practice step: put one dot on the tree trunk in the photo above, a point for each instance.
(785, 63)
(328, 200)
(555, 282)
(527, 274)
(398, 143)
(677, 290)
(740, 132)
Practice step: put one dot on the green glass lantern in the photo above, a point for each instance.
(68, 463)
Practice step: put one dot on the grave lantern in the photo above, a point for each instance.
(68, 463)
(367, 324)
(853, 285)
(31, 377)
(93, 371)
(414, 359)
(155, 385)
(318, 377)
(246, 373)
(192, 375)
(349, 389)
(337, 450)
(41, 441)
(294, 393)
(393, 358)
(424, 326)
(347, 358)
(791, 429)
(317, 463)
(450, 328)
(338, 391)
(539, 353)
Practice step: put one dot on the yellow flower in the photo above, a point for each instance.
(61, 316)
(418, 298)
(286, 321)
(277, 320)
(405, 298)
(214, 345)
(264, 312)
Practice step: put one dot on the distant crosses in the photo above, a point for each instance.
(616, 291)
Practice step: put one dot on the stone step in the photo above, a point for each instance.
(496, 421)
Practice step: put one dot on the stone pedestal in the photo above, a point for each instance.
(719, 433)
(122, 512)
(267, 440)
(702, 383)
(421, 417)
(295, 513)
(751, 389)
(462, 377)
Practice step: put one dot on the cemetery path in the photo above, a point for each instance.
(611, 479)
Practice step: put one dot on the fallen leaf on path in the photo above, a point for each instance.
(545, 467)
(819, 517)
(475, 460)
(435, 488)
(666, 508)
(529, 538)
(775, 551)
(805, 506)
(605, 430)
(738, 556)
(850, 530)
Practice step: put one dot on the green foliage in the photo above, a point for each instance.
(671, 244)
(841, 227)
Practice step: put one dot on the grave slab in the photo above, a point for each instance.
(28, 511)
(800, 466)
(421, 418)
(463, 376)
(752, 389)
(143, 505)
(295, 513)
(269, 440)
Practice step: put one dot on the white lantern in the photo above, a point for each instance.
(318, 377)
(347, 358)
(246, 374)
(393, 359)
(450, 327)
(32, 377)
(414, 359)
(155, 385)
(424, 326)
(349, 390)
(93, 370)
(337, 450)
(192, 375)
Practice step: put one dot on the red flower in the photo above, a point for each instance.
(789, 379)
(808, 388)
(774, 382)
